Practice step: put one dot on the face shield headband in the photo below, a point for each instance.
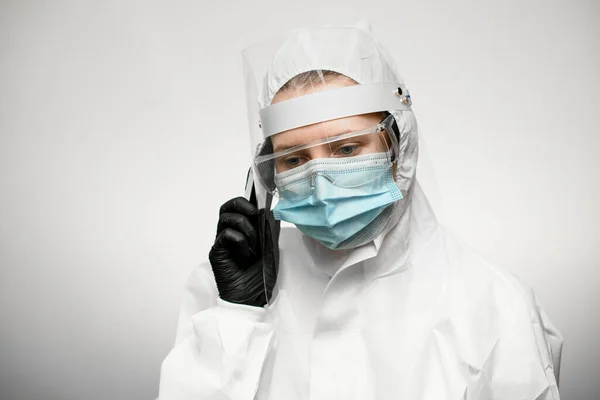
(333, 104)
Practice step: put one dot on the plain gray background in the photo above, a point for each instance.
(123, 129)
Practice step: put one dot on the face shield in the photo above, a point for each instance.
(340, 108)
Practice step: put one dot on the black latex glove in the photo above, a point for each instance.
(245, 254)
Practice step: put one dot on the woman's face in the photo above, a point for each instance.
(364, 144)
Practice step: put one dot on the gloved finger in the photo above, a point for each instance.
(241, 224)
(235, 242)
(239, 205)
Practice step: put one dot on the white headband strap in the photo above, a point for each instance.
(333, 104)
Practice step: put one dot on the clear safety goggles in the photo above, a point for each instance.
(293, 171)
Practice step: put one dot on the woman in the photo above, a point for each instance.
(369, 298)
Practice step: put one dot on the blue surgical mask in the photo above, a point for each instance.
(333, 199)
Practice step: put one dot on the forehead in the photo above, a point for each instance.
(311, 133)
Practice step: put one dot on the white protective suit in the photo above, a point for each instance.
(412, 315)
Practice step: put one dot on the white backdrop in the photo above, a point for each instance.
(123, 129)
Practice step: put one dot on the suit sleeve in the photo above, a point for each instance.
(526, 359)
(220, 347)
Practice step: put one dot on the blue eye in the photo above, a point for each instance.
(348, 150)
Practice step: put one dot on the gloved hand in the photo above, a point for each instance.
(244, 261)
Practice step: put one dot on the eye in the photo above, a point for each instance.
(293, 162)
(348, 149)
